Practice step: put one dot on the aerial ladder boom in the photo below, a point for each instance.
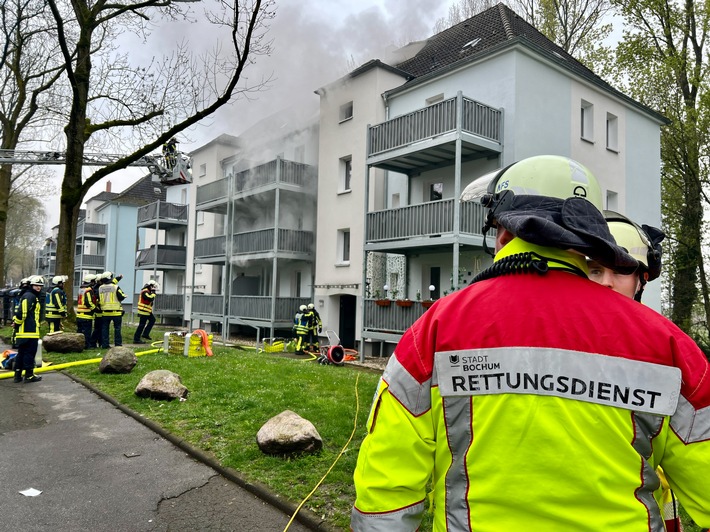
(173, 169)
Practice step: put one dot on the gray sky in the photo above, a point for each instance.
(314, 42)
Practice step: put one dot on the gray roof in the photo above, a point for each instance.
(142, 192)
(491, 30)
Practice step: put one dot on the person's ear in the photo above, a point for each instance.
(503, 236)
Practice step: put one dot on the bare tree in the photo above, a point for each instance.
(26, 218)
(112, 100)
(30, 65)
(460, 11)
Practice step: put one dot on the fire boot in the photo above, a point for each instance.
(31, 377)
(18, 376)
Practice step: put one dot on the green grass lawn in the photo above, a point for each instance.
(233, 393)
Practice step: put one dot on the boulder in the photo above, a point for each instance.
(64, 342)
(118, 360)
(161, 384)
(288, 433)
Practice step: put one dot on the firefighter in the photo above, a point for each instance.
(85, 307)
(111, 295)
(300, 327)
(16, 295)
(644, 244)
(26, 324)
(146, 319)
(535, 399)
(170, 153)
(98, 331)
(315, 327)
(56, 305)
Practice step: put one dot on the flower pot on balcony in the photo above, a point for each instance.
(428, 303)
(383, 302)
(404, 302)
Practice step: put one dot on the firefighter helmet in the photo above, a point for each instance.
(36, 280)
(59, 279)
(642, 242)
(303, 308)
(107, 275)
(89, 277)
(311, 306)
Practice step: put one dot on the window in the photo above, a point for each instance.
(203, 169)
(612, 200)
(612, 132)
(587, 124)
(344, 246)
(436, 191)
(346, 170)
(198, 267)
(297, 285)
(200, 217)
(183, 196)
(395, 201)
(346, 111)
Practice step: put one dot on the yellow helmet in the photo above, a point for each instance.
(642, 242)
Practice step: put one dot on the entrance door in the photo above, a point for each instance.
(347, 321)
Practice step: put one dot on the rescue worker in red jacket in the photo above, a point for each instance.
(644, 244)
(85, 308)
(146, 319)
(535, 399)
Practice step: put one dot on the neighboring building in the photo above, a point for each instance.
(46, 256)
(476, 97)
(162, 252)
(254, 226)
(106, 237)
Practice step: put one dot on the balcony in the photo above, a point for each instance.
(262, 241)
(424, 225)
(257, 180)
(212, 249)
(163, 213)
(426, 138)
(167, 304)
(250, 309)
(165, 257)
(89, 231)
(389, 323)
(91, 262)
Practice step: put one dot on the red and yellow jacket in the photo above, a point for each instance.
(536, 402)
(145, 302)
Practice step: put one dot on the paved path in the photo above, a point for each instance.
(101, 470)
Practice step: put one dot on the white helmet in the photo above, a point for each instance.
(59, 279)
(107, 275)
(154, 284)
(36, 280)
(311, 306)
(302, 308)
(89, 277)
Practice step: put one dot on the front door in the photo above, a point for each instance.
(347, 321)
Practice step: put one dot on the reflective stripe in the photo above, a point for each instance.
(459, 422)
(414, 396)
(109, 303)
(593, 378)
(689, 424)
(405, 519)
(646, 428)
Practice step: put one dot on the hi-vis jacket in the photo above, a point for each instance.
(564, 434)
(27, 316)
(85, 302)
(145, 302)
(111, 295)
(56, 303)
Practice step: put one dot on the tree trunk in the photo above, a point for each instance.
(5, 183)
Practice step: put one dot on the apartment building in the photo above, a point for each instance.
(252, 256)
(106, 237)
(405, 139)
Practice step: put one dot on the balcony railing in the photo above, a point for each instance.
(167, 303)
(268, 173)
(476, 118)
(392, 319)
(90, 261)
(162, 210)
(248, 307)
(212, 191)
(89, 230)
(433, 218)
(276, 171)
(259, 307)
(165, 255)
(263, 241)
(214, 246)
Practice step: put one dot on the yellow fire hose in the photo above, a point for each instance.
(44, 369)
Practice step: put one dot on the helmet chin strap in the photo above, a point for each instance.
(643, 279)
